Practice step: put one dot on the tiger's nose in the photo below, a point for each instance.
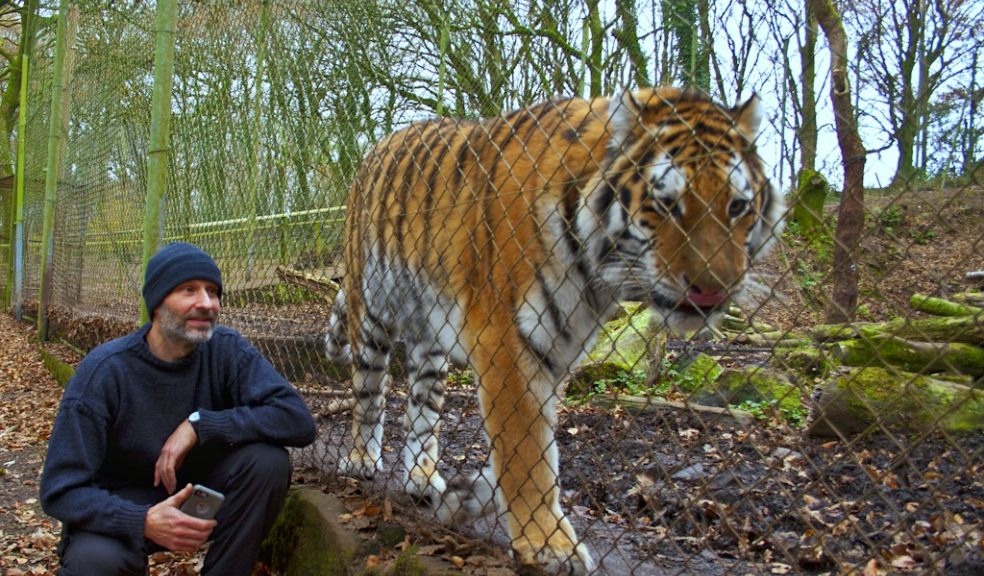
(705, 296)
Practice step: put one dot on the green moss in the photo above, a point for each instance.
(955, 357)
(700, 372)
(406, 564)
(625, 340)
(805, 360)
(299, 544)
(807, 209)
(913, 401)
(61, 371)
(755, 385)
(624, 359)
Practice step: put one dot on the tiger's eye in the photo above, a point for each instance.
(738, 207)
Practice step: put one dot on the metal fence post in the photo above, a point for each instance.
(17, 239)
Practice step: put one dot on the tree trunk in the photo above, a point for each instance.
(628, 37)
(808, 205)
(807, 133)
(850, 217)
(596, 39)
(971, 130)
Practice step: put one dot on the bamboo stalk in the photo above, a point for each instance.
(60, 99)
(160, 132)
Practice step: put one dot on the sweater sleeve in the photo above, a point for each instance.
(69, 489)
(267, 407)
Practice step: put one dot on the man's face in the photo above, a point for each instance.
(189, 312)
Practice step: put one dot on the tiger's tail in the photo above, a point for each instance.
(337, 346)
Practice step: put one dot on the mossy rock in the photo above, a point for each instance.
(308, 539)
(587, 375)
(805, 361)
(631, 343)
(301, 544)
(750, 385)
(863, 398)
(625, 341)
(696, 372)
(59, 370)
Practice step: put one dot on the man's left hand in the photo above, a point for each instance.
(181, 441)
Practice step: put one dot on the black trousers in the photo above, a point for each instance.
(254, 479)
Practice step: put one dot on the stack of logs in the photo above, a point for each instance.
(909, 373)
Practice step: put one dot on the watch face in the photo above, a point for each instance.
(194, 417)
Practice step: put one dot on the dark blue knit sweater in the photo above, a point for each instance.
(124, 402)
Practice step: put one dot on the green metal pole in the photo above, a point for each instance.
(17, 241)
(56, 129)
(16, 284)
(160, 133)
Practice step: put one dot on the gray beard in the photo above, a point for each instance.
(173, 328)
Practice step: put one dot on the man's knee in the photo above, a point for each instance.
(266, 465)
(85, 553)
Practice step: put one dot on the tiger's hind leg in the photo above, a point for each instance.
(336, 340)
(369, 386)
(428, 372)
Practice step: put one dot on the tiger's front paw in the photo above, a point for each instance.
(427, 487)
(561, 554)
(576, 561)
(358, 465)
(467, 498)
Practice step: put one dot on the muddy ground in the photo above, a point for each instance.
(655, 491)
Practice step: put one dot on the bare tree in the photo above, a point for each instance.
(850, 217)
(911, 49)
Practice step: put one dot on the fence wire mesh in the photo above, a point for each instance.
(582, 361)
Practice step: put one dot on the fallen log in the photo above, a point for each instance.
(879, 398)
(317, 284)
(972, 298)
(647, 404)
(912, 356)
(966, 329)
(941, 306)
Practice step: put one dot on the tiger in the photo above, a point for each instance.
(505, 244)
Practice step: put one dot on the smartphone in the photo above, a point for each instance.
(203, 503)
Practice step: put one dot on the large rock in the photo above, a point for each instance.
(754, 385)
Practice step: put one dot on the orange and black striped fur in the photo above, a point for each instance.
(506, 244)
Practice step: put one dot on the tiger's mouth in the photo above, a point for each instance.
(690, 305)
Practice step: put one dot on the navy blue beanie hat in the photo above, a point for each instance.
(173, 264)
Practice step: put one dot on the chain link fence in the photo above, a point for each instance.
(764, 442)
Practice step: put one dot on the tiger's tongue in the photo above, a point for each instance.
(706, 300)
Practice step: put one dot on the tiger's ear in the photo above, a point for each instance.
(748, 116)
(623, 118)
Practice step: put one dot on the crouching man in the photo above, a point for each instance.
(181, 401)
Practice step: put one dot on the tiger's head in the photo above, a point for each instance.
(681, 205)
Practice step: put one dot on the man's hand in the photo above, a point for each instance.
(173, 529)
(181, 441)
